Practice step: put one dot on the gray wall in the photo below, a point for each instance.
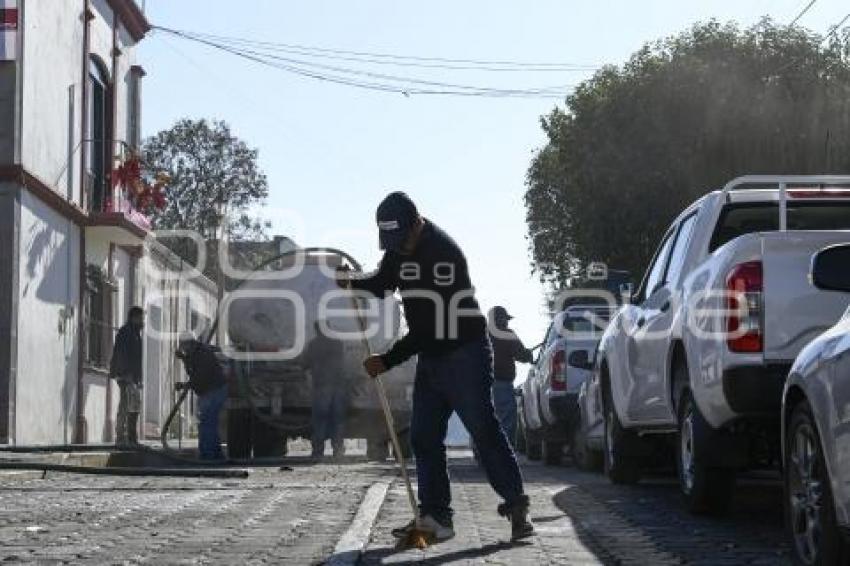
(7, 112)
(9, 225)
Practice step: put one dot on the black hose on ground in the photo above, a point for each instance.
(174, 410)
(46, 448)
(118, 471)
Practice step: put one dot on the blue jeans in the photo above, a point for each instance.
(505, 402)
(459, 381)
(329, 407)
(209, 407)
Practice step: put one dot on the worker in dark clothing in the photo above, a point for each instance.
(207, 381)
(126, 368)
(455, 362)
(507, 350)
(325, 358)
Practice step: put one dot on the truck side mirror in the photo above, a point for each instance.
(580, 359)
(831, 268)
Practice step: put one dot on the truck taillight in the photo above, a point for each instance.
(744, 322)
(557, 373)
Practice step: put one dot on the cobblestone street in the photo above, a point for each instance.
(299, 516)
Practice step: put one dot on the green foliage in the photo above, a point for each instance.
(212, 172)
(637, 144)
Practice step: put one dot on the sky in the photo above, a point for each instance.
(331, 152)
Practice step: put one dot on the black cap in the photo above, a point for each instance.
(396, 215)
(499, 315)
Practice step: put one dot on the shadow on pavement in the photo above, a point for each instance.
(652, 513)
(377, 555)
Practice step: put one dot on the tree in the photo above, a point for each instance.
(637, 144)
(214, 185)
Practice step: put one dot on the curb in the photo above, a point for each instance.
(350, 546)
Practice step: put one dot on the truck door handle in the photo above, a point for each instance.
(665, 307)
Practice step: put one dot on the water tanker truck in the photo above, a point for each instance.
(270, 319)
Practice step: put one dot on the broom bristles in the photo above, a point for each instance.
(417, 538)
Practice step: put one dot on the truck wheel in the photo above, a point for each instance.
(519, 441)
(268, 441)
(552, 452)
(377, 449)
(406, 449)
(705, 489)
(621, 456)
(585, 459)
(533, 445)
(239, 434)
(809, 507)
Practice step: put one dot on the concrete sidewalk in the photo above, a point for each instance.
(483, 537)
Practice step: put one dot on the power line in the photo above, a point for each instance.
(803, 12)
(381, 76)
(371, 81)
(394, 59)
(830, 32)
(834, 28)
(401, 63)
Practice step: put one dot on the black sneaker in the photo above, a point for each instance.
(517, 514)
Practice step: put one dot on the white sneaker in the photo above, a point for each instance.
(428, 523)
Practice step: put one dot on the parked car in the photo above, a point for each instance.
(700, 354)
(548, 408)
(815, 433)
(587, 444)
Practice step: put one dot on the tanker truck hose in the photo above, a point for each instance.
(125, 471)
(163, 437)
(242, 382)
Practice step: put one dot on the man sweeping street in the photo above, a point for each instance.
(455, 362)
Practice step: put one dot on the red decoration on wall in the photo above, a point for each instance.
(142, 195)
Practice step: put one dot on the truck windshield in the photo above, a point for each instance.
(746, 218)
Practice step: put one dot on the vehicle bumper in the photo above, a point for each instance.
(755, 390)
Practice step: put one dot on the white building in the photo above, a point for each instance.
(71, 246)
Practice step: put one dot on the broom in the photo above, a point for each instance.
(417, 537)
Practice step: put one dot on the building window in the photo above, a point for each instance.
(100, 135)
(98, 338)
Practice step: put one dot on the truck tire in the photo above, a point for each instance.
(621, 457)
(519, 444)
(377, 449)
(533, 444)
(810, 510)
(268, 441)
(705, 489)
(552, 452)
(584, 458)
(406, 449)
(239, 434)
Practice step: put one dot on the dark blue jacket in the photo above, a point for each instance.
(126, 362)
(437, 266)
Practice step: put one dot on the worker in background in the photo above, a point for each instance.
(507, 350)
(207, 381)
(455, 362)
(325, 359)
(125, 367)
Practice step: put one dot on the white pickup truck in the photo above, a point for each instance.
(700, 353)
